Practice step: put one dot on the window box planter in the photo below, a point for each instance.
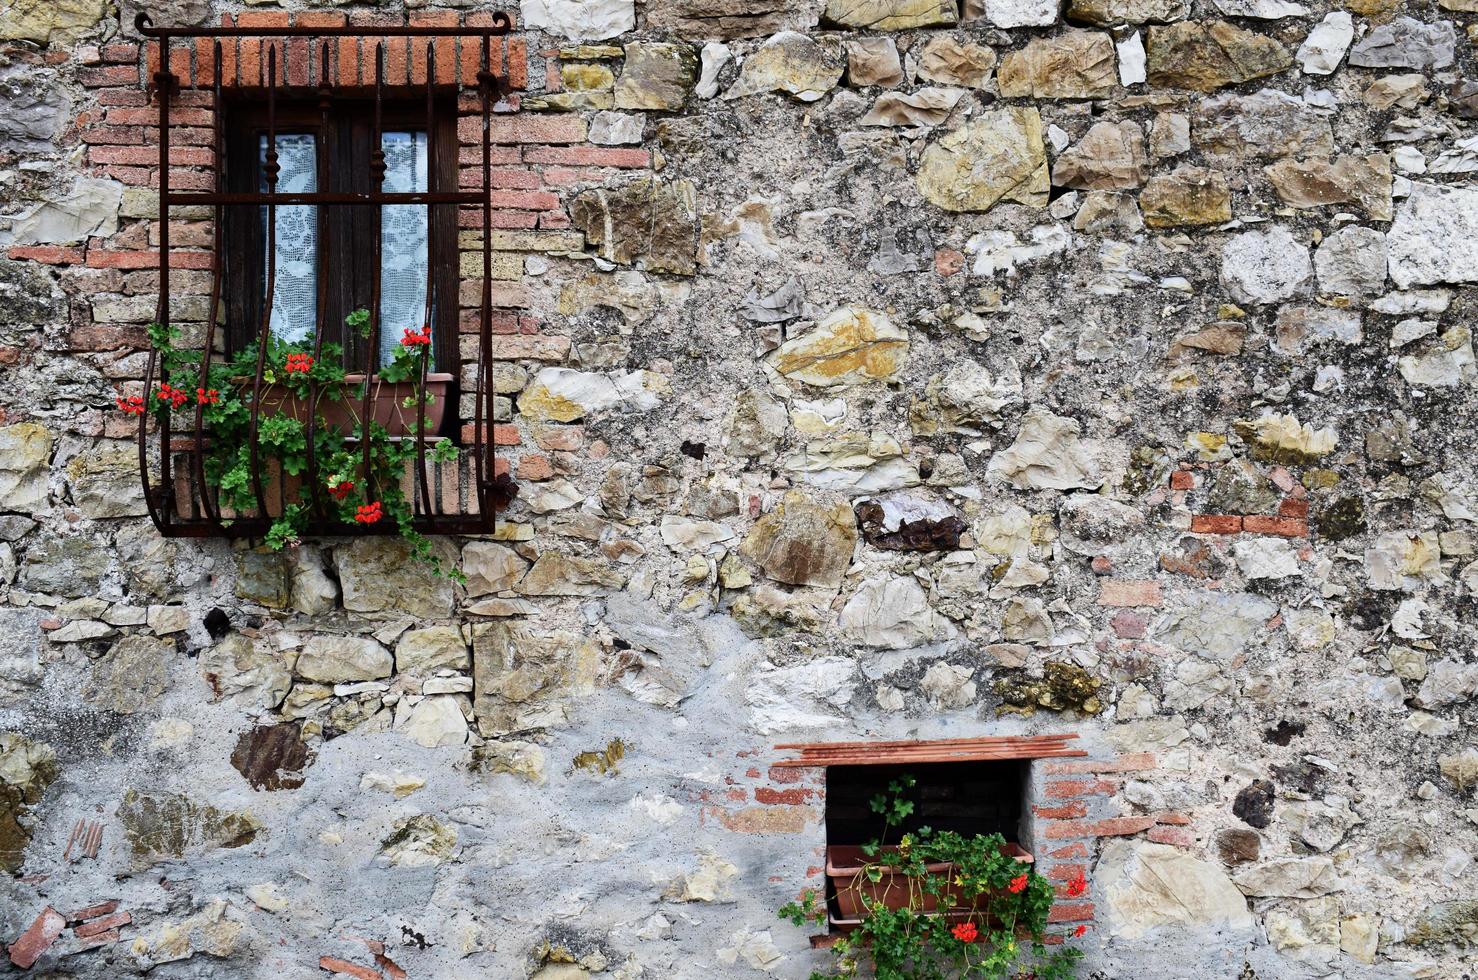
(854, 891)
(388, 403)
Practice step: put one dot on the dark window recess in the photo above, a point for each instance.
(328, 151)
(966, 797)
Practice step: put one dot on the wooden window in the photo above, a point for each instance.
(324, 261)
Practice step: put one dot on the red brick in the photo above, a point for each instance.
(102, 259)
(121, 96)
(1174, 836)
(562, 128)
(1068, 811)
(1173, 818)
(1286, 527)
(1112, 827)
(554, 220)
(1293, 507)
(1075, 850)
(48, 254)
(335, 965)
(786, 797)
(1133, 762)
(100, 939)
(264, 18)
(1216, 524)
(587, 156)
(1067, 872)
(534, 467)
(1076, 912)
(527, 200)
(765, 819)
(148, 156)
(120, 54)
(105, 337)
(35, 940)
(1064, 789)
(1182, 480)
(110, 75)
(103, 924)
(518, 63)
(113, 135)
(1128, 592)
(92, 911)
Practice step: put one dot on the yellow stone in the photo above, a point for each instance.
(850, 346)
(999, 156)
(588, 78)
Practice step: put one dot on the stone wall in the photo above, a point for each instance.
(870, 369)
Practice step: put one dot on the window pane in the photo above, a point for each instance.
(403, 236)
(295, 285)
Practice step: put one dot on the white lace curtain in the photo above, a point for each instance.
(404, 232)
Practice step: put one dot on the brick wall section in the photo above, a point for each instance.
(537, 161)
(1078, 809)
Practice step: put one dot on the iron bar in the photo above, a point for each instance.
(420, 477)
(481, 418)
(320, 158)
(330, 197)
(269, 169)
(502, 24)
(372, 351)
(209, 505)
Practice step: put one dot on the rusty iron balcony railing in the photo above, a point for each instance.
(462, 497)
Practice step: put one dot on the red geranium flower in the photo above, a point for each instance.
(133, 405)
(175, 396)
(368, 513)
(1077, 886)
(1018, 885)
(205, 397)
(298, 364)
(965, 932)
(1078, 932)
(416, 338)
(341, 489)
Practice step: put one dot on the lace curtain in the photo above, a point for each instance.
(403, 234)
(404, 231)
(294, 292)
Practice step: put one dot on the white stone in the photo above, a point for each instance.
(1260, 9)
(1216, 625)
(1150, 887)
(1131, 60)
(89, 208)
(332, 659)
(1047, 455)
(433, 722)
(266, 897)
(1001, 251)
(1290, 877)
(1403, 561)
(1019, 13)
(891, 612)
(1435, 236)
(1352, 262)
(1265, 267)
(1325, 47)
(398, 784)
(948, 686)
(1448, 363)
(714, 57)
(581, 20)
(1266, 558)
(812, 694)
(680, 533)
(616, 128)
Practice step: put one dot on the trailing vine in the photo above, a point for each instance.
(291, 373)
(991, 909)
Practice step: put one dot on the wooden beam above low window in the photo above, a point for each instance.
(984, 748)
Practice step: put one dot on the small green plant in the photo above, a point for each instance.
(292, 372)
(984, 917)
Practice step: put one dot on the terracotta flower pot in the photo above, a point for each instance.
(844, 865)
(387, 403)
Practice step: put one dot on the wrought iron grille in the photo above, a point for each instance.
(462, 496)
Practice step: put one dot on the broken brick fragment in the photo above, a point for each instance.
(37, 938)
(335, 965)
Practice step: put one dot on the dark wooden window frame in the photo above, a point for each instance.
(343, 148)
